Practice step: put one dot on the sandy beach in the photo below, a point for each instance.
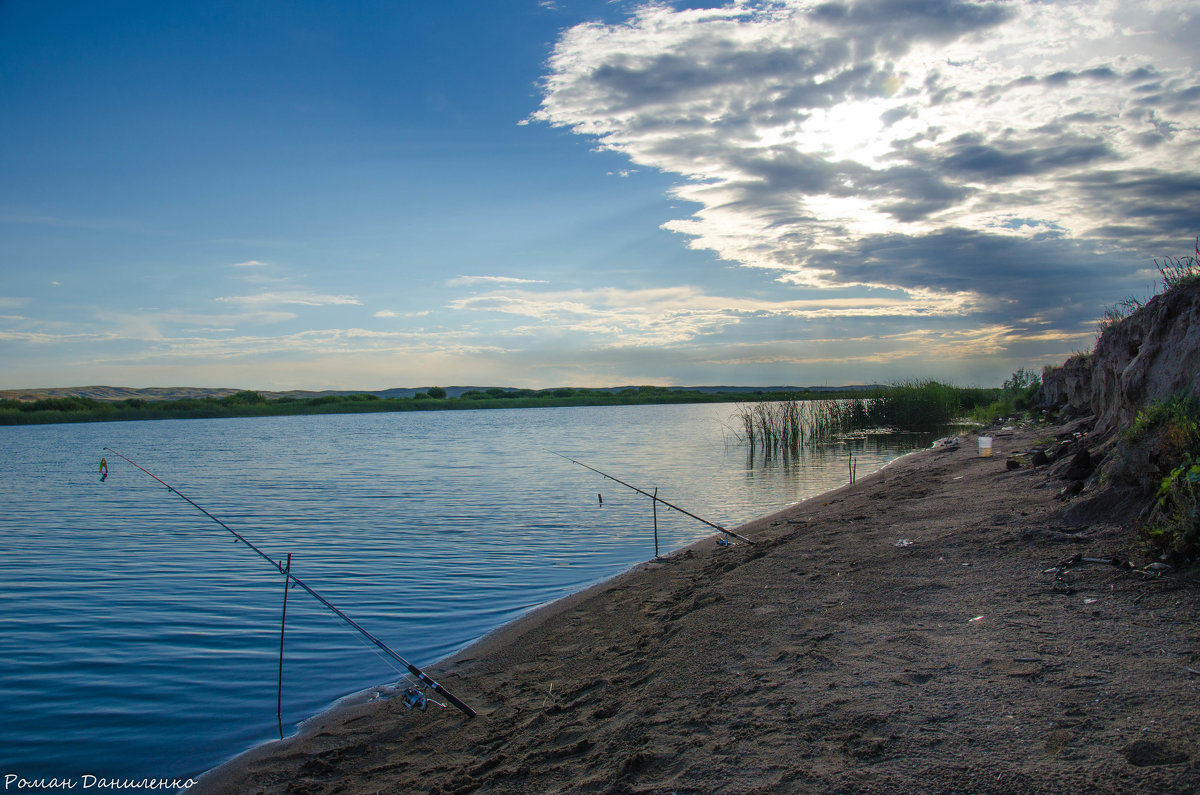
(935, 627)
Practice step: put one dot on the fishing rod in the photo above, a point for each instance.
(656, 498)
(412, 669)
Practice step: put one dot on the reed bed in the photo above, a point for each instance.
(792, 424)
(916, 405)
(788, 425)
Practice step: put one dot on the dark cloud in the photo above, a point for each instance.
(918, 192)
(1083, 117)
(1183, 188)
(820, 73)
(1065, 76)
(1172, 99)
(897, 23)
(857, 81)
(778, 176)
(971, 156)
(893, 115)
(708, 63)
(1018, 276)
(784, 169)
(1162, 205)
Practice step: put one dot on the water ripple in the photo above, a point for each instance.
(136, 639)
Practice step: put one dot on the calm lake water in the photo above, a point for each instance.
(137, 639)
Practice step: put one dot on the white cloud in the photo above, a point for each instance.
(801, 128)
(47, 338)
(297, 297)
(150, 326)
(467, 281)
(388, 313)
(251, 263)
(310, 342)
(664, 316)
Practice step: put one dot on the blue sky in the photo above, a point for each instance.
(365, 195)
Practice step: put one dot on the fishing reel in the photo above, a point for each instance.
(414, 698)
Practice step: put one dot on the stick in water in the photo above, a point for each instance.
(656, 521)
(656, 498)
(287, 586)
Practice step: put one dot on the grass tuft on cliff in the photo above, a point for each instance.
(1180, 271)
(1175, 272)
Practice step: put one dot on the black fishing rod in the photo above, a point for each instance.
(656, 498)
(412, 669)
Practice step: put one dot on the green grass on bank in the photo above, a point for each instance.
(1163, 443)
(254, 404)
(1014, 397)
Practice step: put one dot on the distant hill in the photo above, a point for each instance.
(115, 392)
(179, 392)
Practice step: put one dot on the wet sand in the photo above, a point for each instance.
(919, 631)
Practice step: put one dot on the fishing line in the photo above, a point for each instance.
(656, 498)
(412, 669)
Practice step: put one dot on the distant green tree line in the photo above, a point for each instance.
(248, 403)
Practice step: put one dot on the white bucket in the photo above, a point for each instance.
(985, 446)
